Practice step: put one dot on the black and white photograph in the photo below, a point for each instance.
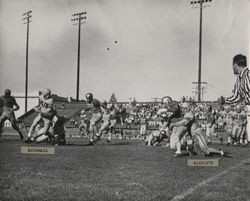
(124, 100)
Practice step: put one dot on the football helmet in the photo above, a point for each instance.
(89, 97)
(47, 92)
(163, 132)
(7, 92)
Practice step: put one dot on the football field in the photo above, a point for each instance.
(122, 170)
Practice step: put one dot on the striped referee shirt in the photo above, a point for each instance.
(241, 90)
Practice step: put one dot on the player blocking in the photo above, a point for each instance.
(8, 105)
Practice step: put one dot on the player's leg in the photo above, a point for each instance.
(148, 139)
(104, 127)
(82, 128)
(238, 134)
(143, 131)
(243, 135)
(248, 124)
(200, 139)
(112, 129)
(173, 139)
(33, 125)
(3, 117)
(203, 145)
(229, 134)
(208, 133)
(12, 119)
(96, 117)
(180, 132)
(234, 134)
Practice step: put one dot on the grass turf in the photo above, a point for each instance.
(122, 170)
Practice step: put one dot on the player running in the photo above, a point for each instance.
(94, 106)
(8, 105)
(46, 110)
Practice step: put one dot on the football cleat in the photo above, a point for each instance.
(178, 155)
(21, 136)
(190, 150)
(98, 138)
(91, 143)
(28, 141)
(108, 141)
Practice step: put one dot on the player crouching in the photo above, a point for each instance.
(189, 125)
(180, 129)
(156, 137)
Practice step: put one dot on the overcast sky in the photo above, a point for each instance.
(156, 53)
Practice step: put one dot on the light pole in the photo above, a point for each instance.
(200, 2)
(78, 17)
(27, 21)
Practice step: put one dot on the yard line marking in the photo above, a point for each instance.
(206, 181)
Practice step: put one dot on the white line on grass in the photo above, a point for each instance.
(206, 181)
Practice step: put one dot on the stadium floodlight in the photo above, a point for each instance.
(79, 18)
(27, 21)
(200, 2)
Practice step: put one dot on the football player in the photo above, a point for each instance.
(46, 110)
(156, 137)
(239, 122)
(56, 132)
(228, 123)
(106, 116)
(84, 126)
(113, 121)
(143, 125)
(94, 106)
(8, 105)
(189, 125)
(181, 128)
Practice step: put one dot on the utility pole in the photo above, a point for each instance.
(200, 2)
(78, 17)
(27, 21)
(202, 89)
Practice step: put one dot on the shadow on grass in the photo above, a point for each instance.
(110, 144)
(14, 141)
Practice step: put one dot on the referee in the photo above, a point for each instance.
(241, 92)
